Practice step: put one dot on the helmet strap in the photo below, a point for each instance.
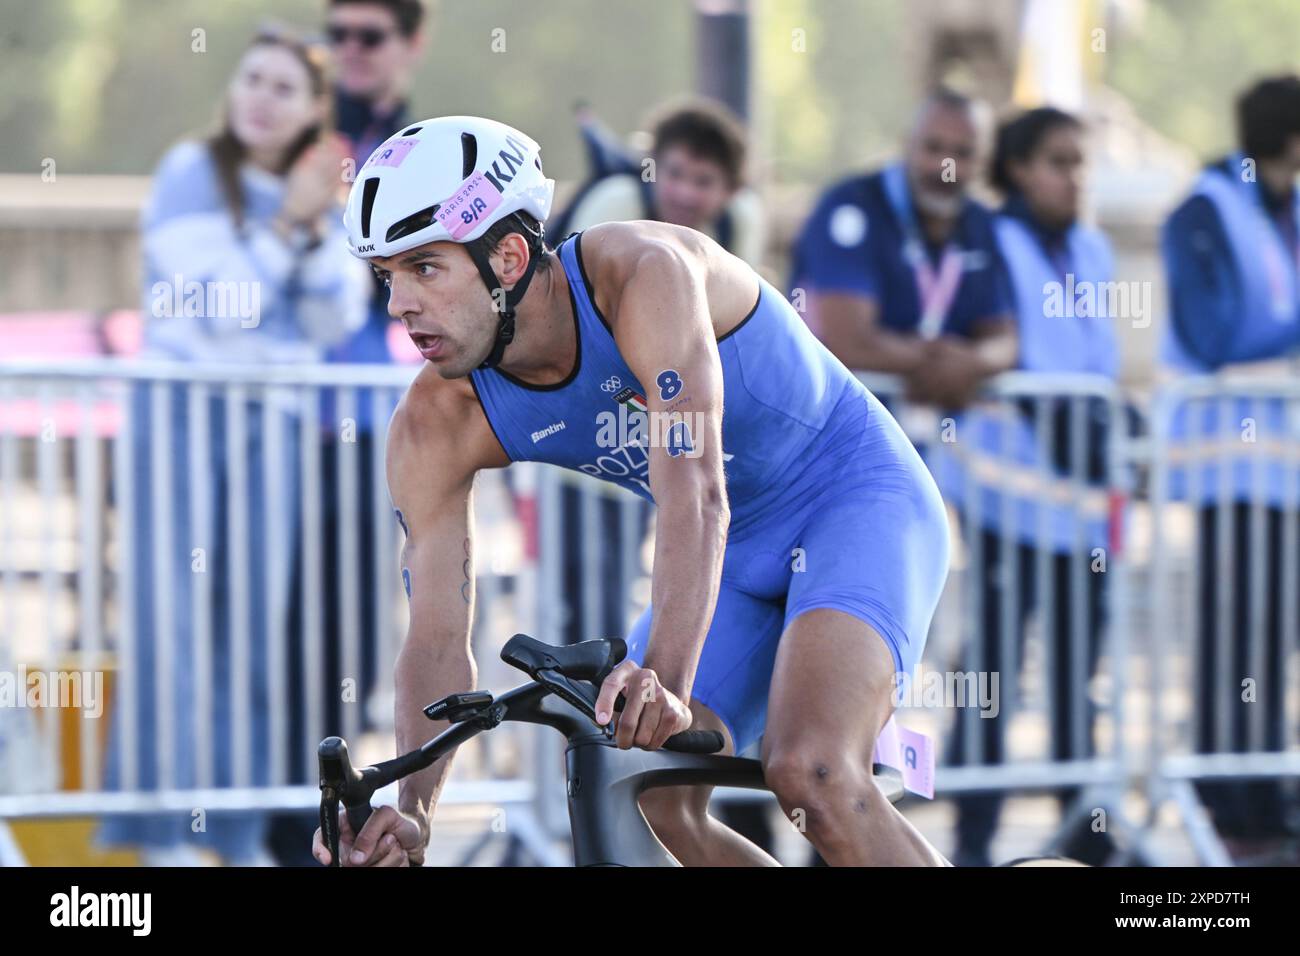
(506, 324)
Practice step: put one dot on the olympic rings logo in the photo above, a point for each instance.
(611, 384)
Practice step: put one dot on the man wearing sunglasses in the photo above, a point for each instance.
(376, 46)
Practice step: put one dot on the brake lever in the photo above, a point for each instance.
(341, 782)
(580, 694)
(329, 822)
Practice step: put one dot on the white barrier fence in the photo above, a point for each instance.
(277, 613)
(199, 581)
(1225, 585)
(1025, 673)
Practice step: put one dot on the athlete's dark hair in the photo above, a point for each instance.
(409, 14)
(708, 130)
(528, 227)
(1268, 115)
(1019, 138)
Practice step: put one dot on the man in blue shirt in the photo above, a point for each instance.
(899, 269)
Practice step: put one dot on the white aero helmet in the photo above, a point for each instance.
(450, 179)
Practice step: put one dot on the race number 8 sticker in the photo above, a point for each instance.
(670, 384)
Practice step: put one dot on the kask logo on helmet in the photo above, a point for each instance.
(513, 160)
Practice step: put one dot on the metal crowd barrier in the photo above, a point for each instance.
(1225, 593)
(1037, 477)
(76, 608)
(1041, 464)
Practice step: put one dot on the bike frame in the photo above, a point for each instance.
(605, 782)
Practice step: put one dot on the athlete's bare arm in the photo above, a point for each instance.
(670, 293)
(437, 441)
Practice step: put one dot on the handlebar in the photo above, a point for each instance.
(574, 673)
(695, 742)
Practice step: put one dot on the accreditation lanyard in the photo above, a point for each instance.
(1281, 258)
(936, 287)
(1282, 287)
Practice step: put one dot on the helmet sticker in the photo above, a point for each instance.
(467, 206)
(391, 153)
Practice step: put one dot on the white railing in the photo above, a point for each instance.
(163, 538)
(84, 445)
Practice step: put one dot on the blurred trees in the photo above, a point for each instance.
(106, 85)
(1186, 61)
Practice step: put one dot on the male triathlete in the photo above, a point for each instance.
(800, 543)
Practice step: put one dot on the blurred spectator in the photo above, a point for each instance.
(900, 267)
(377, 45)
(251, 208)
(696, 179)
(1038, 167)
(1231, 251)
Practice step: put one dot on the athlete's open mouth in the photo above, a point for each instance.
(430, 346)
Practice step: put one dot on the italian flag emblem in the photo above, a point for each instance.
(633, 400)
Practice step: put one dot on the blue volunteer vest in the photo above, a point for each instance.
(1266, 296)
(994, 470)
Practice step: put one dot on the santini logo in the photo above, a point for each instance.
(133, 910)
(546, 432)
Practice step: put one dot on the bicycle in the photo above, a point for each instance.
(604, 782)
